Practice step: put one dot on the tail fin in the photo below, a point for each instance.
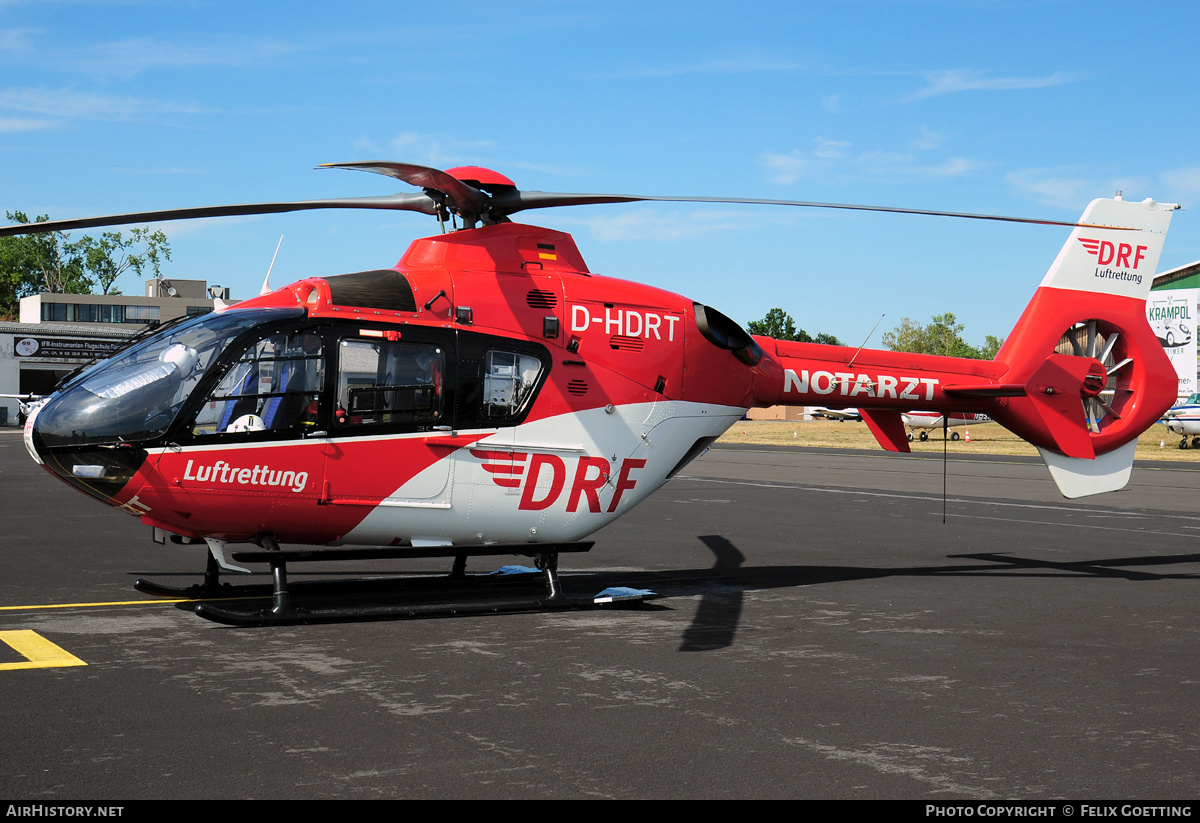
(1086, 326)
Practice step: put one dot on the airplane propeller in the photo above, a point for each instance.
(491, 200)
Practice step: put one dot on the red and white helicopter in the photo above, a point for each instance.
(489, 395)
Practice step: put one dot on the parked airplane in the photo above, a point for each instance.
(926, 420)
(1184, 420)
(836, 414)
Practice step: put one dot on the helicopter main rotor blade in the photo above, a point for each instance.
(416, 201)
(441, 188)
(471, 200)
(514, 201)
(462, 196)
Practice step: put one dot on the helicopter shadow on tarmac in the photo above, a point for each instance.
(721, 587)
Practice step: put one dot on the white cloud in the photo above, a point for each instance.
(142, 53)
(951, 167)
(836, 156)
(15, 124)
(831, 149)
(928, 140)
(446, 152)
(16, 40)
(651, 225)
(785, 168)
(882, 163)
(127, 58)
(1068, 189)
(175, 229)
(897, 164)
(72, 104)
(745, 65)
(439, 152)
(949, 82)
(1054, 188)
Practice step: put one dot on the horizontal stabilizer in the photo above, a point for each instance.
(888, 428)
(986, 389)
(1076, 477)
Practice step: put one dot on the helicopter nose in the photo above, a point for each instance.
(99, 471)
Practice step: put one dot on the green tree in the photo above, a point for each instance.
(50, 262)
(942, 336)
(779, 325)
(106, 259)
(31, 263)
(991, 347)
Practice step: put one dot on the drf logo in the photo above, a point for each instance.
(542, 478)
(1117, 253)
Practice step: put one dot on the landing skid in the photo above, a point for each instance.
(456, 594)
(211, 587)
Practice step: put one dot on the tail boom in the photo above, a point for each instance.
(884, 385)
(1080, 376)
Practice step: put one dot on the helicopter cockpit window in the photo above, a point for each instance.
(508, 382)
(136, 395)
(389, 382)
(274, 386)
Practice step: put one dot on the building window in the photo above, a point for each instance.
(140, 314)
(94, 313)
(112, 314)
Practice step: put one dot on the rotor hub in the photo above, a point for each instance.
(1095, 380)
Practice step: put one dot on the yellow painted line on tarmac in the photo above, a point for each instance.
(87, 605)
(39, 653)
(128, 603)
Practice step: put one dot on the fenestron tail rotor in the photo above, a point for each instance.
(1089, 339)
(472, 193)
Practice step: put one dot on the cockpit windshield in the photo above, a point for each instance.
(136, 395)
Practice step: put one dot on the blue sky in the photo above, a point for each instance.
(1020, 108)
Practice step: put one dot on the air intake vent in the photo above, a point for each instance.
(541, 299)
(625, 343)
(383, 289)
(577, 387)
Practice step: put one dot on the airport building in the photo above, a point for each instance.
(57, 333)
(1183, 277)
